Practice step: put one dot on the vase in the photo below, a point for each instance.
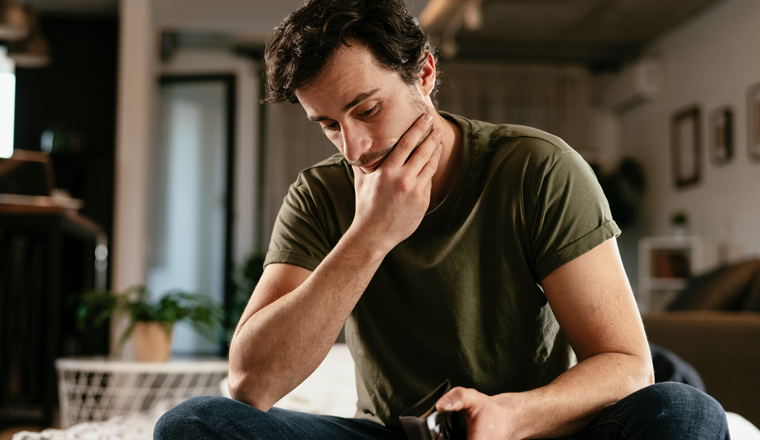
(152, 341)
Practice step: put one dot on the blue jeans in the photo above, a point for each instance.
(666, 410)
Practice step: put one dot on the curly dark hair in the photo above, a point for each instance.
(308, 37)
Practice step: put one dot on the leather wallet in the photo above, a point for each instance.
(422, 422)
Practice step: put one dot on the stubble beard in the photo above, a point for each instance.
(374, 156)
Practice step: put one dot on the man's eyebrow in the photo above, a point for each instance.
(361, 97)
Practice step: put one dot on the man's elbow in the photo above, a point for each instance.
(644, 375)
(243, 390)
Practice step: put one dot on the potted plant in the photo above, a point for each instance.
(679, 223)
(150, 322)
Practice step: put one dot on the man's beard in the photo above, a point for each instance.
(373, 156)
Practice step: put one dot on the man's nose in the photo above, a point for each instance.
(356, 141)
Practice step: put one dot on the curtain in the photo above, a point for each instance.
(553, 98)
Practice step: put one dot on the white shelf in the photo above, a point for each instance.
(667, 263)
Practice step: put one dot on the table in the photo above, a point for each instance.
(98, 388)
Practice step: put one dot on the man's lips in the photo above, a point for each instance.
(373, 166)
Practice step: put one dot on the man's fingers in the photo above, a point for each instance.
(409, 141)
(455, 400)
(429, 168)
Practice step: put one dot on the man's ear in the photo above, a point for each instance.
(427, 75)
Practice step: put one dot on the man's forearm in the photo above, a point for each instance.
(577, 396)
(280, 345)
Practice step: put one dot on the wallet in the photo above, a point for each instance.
(422, 422)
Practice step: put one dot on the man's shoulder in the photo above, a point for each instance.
(330, 171)
(490, 136)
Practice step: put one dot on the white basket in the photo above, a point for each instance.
(97, 388)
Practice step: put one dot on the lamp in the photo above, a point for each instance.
(14, 23)
(7, 103)
(33, 50)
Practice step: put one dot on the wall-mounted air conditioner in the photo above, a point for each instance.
(635, 84)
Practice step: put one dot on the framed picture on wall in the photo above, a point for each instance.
(753, 122)
(721, 135)
(685, 145)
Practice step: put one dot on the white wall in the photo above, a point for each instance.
(711, 61)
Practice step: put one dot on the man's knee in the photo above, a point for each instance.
(680, 411)
(196, 417)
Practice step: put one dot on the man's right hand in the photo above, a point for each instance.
(392, 200)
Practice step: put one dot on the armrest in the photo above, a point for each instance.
(724, 347)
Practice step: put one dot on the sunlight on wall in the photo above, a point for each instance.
(188, 210)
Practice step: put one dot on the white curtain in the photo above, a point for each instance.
(553, 98)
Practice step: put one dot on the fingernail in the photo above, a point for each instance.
(428, 117)
(446, 404)
(439, 133)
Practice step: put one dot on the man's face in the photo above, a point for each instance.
(363, 108)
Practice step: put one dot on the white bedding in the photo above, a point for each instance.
(329, 390)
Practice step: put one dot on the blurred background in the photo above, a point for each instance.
(157, 148)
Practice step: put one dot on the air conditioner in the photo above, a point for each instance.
(637, 83)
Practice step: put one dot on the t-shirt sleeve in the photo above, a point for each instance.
(297, 237)
(571, 214)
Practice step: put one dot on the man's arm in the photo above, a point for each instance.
(295, 315)
(594, 305)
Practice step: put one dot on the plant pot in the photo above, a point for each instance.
(152, 341)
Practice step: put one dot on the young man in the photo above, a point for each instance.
(451, 249)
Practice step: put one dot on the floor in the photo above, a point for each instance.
(7, 434)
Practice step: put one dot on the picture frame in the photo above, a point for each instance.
(686, 146)
(722, 135)
(753, 122)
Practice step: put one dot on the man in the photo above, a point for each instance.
(450, 248)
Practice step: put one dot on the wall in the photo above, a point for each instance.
(711, 61)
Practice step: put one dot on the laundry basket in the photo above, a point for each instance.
(98, 388)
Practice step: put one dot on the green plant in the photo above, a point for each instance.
(200, 311)
(679, 218)
(623, 188)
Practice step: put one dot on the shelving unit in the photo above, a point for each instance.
(667, 263)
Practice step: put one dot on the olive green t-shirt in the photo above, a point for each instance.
(460, 299)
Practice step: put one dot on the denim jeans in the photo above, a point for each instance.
(662, 411)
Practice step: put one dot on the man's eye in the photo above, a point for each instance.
(368, 112)
(332, 127)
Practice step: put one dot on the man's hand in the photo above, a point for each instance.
(392, 200)
(487, 417)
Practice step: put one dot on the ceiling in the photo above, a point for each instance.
(595, 32)
(600, 33)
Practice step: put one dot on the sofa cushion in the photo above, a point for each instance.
(726, 288)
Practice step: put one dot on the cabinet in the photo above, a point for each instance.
(667, 263)
(46, 255)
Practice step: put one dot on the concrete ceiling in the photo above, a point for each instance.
(598, 33)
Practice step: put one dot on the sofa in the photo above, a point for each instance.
(724, 348)
(714, 325)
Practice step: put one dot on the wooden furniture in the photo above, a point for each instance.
(47, 254)
(665, 265)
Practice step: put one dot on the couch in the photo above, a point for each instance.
(714, 325)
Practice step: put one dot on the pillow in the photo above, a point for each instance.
(726, 288)
(752, 301)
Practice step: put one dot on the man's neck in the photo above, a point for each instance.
(449, 164)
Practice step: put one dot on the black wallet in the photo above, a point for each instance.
(423, 422)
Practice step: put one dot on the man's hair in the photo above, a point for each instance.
(308, 37)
